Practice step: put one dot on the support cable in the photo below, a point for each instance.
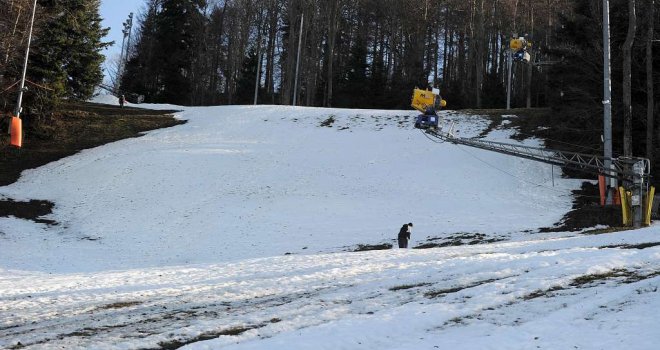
(561, 193)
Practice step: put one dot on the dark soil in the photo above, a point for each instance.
(328, 122)
(75, 127)
(234, 331)
(368, 247)
(634, 246)
(32, 210)
(409, 286)
(458, 239)
(442, 292)
(587, 212)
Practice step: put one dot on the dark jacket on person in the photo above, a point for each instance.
(404, 236)
(404, 233)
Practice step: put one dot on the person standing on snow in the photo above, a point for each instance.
(404, 235)
(122, 101)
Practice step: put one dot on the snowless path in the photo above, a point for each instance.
(592, 292)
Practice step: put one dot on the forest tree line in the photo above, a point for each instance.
(364, 53)
(372, 53)
(353, 53)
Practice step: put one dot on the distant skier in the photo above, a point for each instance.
(404, 235)
(122, 101)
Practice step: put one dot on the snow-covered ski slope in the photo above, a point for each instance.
(231, 231)
(246, 182)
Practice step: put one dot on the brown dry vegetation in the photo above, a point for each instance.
(75, 127)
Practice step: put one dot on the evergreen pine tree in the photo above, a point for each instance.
(176, 41)
(162, 63)
(350, 91)
(140, 76)
(67, 52)
(246, 83)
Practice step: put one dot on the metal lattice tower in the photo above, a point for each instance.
(633, 170)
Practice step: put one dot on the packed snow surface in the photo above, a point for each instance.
(236, 230)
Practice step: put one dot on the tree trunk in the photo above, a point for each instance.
(288, 66)
(480, 43)
(650, 105)
(627, 76)
(461, 62)
(444, 49)
(270, 57)
(472, 43)
(333, 20)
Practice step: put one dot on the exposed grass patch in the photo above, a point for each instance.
(542, 293)
(601, 231)
(458, 239)
(599, 277)
(495, 121)
(455, 321)
(75, 127)
(368, 247)
(328, 122)
(409, 286)
(634, 246)
(233, 331)
(443, 292)
(119, 305)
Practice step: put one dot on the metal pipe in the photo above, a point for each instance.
(607, 99)
(25, 63)
(509, 65)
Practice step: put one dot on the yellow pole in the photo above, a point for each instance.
(624, 206)
(649, 206)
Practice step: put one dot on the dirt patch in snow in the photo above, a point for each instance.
(442, 292)
(33, 210)
(368, 247)
(232, 331)
(328, 122)
(634, 246)
(458, 239)
(587, 212)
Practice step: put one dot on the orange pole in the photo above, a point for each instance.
(16, 132)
